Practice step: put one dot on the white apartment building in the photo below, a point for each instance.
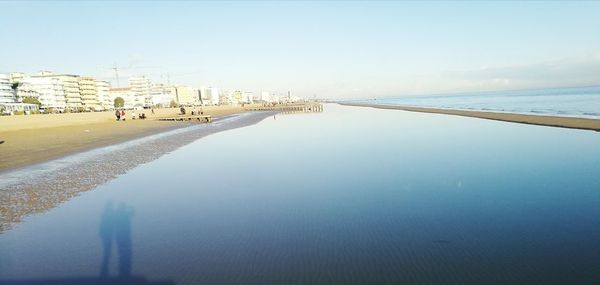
(48, 90)
(185, 95)
(7, 94)
(103, 94)
(266, 96)
(125, 93)
(248, 97)
(71, 88)
(213, 94)
(89, 96)
(161, 95)
(141, 87)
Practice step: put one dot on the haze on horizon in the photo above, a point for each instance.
(332, 49)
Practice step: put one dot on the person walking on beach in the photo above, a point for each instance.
(123, 114)
(118, 114)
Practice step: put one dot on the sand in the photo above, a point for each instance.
(37, 138)
(551, 121)
(39, 187)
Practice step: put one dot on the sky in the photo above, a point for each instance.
(337, 50)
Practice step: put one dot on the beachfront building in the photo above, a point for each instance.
(126, 93)
(265, 96)
(70, 84)
(186, 95)
(89, 95)
(48, 90)
(141, 87)
(103, 94)
(7, 94)
(15, 77)
(248, 97)
(213, 95)
(161, 95)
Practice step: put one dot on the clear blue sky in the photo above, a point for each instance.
(333, 49)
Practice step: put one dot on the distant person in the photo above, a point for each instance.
(182, 110)
(123, 114)
(152, 109)
(118, 114)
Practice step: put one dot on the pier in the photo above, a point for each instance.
(200, 119)
(305, 108)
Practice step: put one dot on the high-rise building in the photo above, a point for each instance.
(89, 95)
(7, 94)
(161, 95)
(70, 85)
(102, 91)
(214, 95)
(48, 90)
(140, 87)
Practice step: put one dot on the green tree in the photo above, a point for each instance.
(173, 104)
(119, 102)
(32, 100)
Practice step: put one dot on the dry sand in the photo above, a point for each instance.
(37, 138)
(563, 122)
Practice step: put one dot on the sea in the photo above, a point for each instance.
(581, 102)
(351, 195)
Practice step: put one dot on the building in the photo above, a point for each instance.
(213, 95)
(70, 84)
(103, 94)
(266, 96)
(126, 93)
(185, 95)
(48, 90)
(15, 77)
(248, 97)
(161, 95)
(89, 95)
(141, 87)
(7, 94)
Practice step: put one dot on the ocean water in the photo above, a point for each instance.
(581, 102)
(348, 196)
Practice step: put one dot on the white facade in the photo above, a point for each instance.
(141, 87)
(214, 95)
(248, 97)
(7, 94)
(48, 90)
(103, 94)
(125, 93)
(266, 96)
(89, 96)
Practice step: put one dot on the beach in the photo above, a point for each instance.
(550, 121)
(36, 138)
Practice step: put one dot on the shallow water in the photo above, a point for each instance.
(582, 102)
(348, 196)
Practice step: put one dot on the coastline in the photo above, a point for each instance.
(42, 186)
(549, 121)
(38, 138)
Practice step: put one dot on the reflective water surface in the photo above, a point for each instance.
(348, 196)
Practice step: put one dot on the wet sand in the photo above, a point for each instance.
(39, 187)
(38, 138)
(551, 121)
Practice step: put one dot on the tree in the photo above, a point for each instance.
(119, 102)
(173, 104)
(32, 100)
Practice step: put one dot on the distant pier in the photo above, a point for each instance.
(305, 108)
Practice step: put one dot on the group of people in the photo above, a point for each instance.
(194, 111)
(120, 114)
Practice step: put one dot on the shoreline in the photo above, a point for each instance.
(541, 120)
(39, 187)
(36, 139)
